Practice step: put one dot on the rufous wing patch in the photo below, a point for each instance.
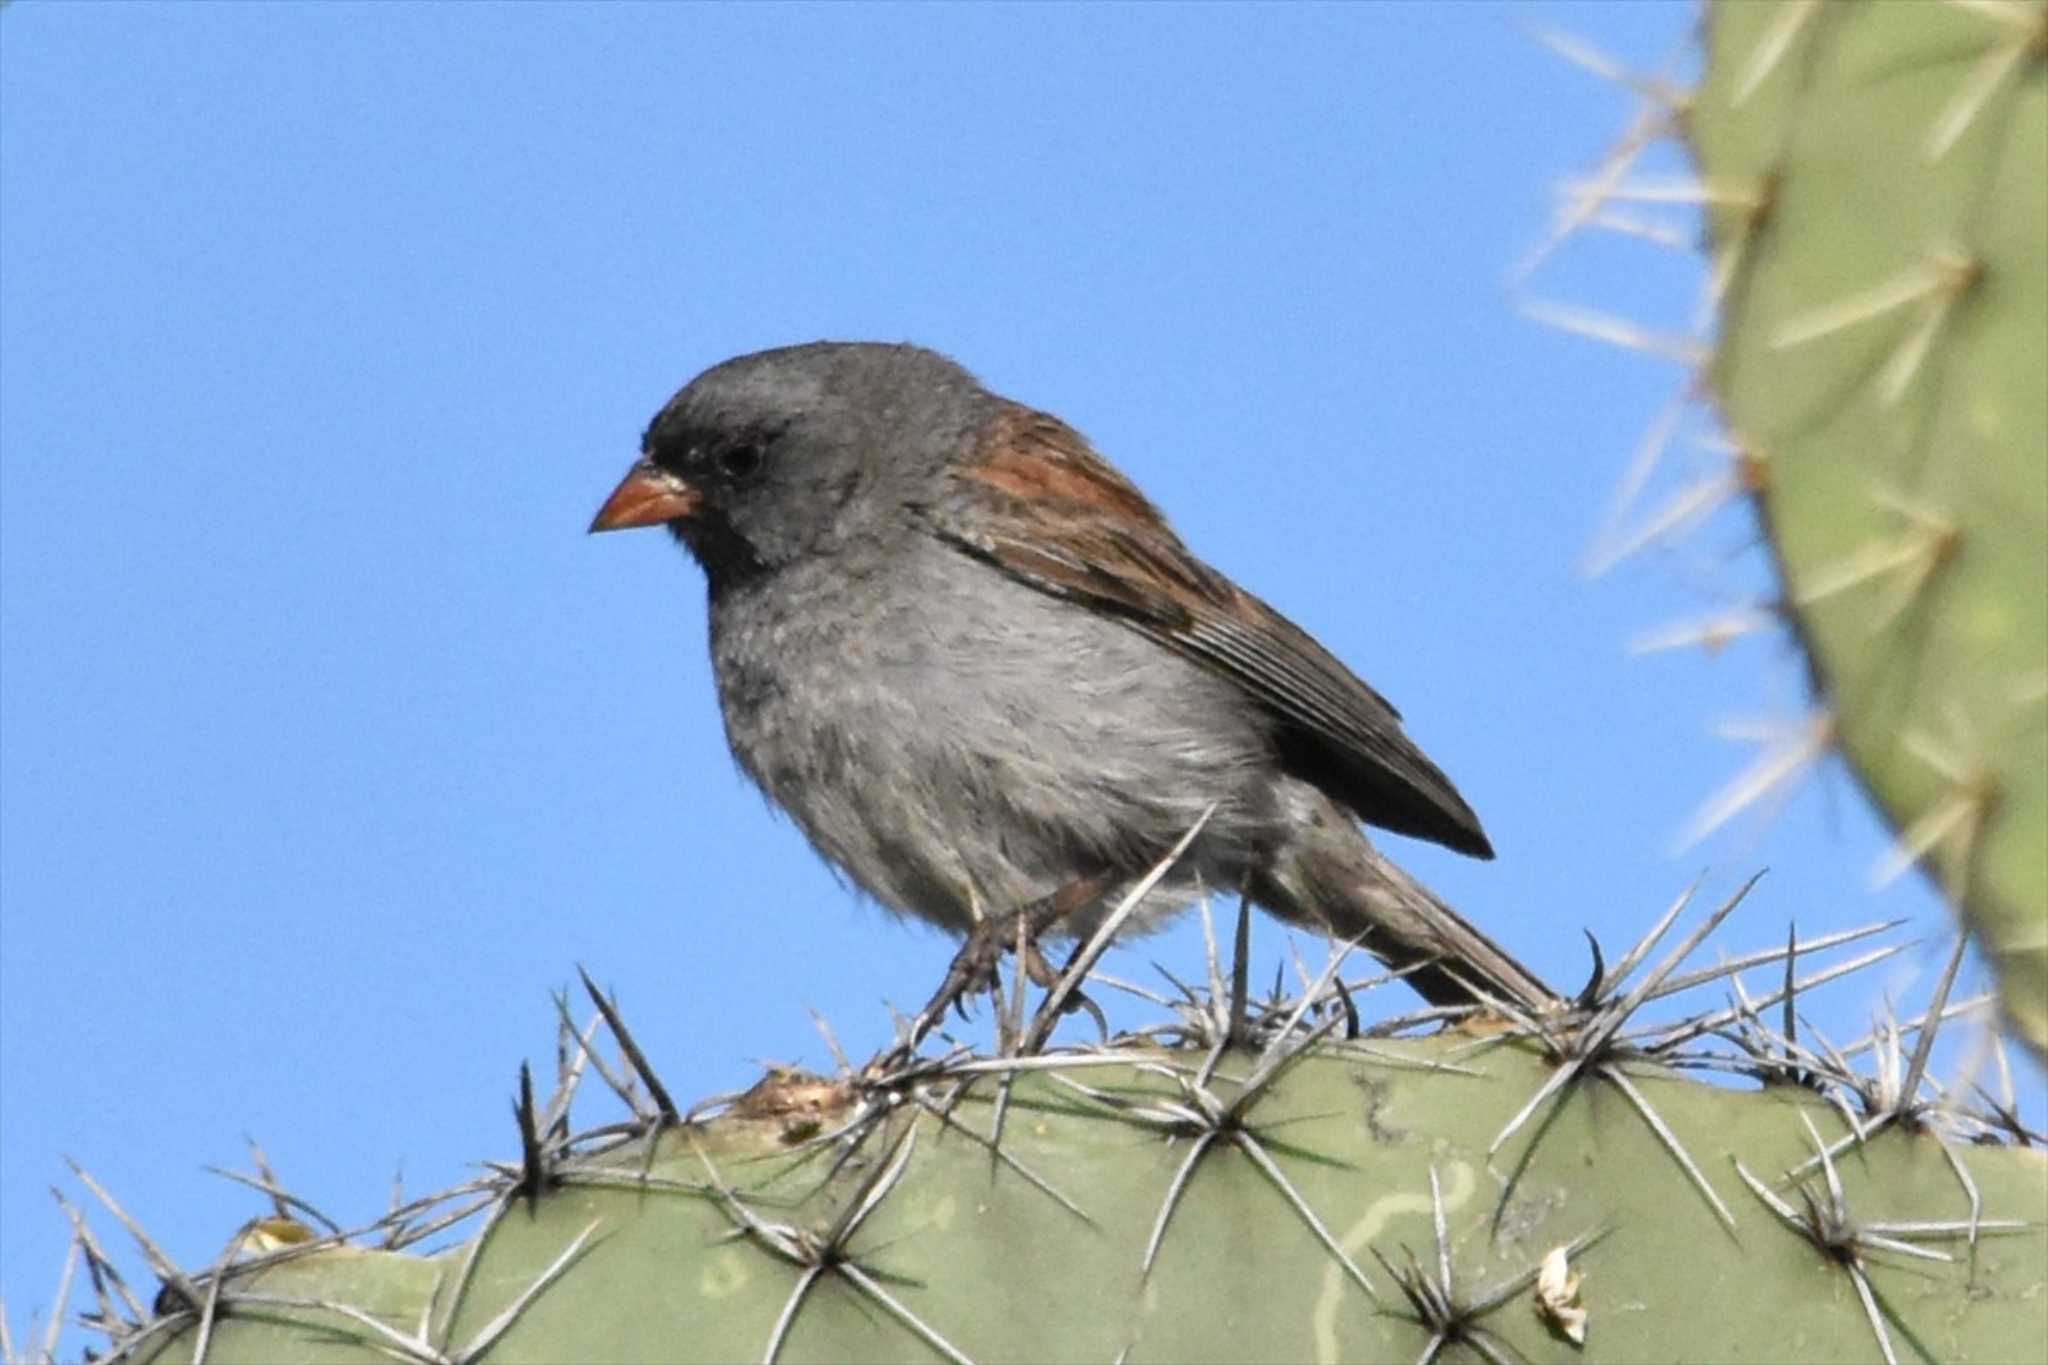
(1042, 462)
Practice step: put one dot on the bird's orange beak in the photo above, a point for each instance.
(648, 496)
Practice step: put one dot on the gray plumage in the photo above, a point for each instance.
(975, 666)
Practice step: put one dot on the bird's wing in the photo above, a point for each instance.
(1039, 503)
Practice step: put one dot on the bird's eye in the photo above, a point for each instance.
(739, 461)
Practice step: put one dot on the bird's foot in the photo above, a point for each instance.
(974, 967)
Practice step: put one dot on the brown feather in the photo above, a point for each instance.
(1052, 513)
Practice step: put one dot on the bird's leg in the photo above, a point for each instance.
(974, 967)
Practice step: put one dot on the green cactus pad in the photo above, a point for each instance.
(743, 1232)
(1879, 177)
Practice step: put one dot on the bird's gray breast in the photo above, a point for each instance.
(947, 735)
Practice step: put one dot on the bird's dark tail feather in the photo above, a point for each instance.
(1326, 883)
(1407, 924)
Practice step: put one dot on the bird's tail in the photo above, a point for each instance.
(1330, 876)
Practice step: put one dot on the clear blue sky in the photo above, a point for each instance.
(330, 743)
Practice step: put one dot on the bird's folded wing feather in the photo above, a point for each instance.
(1039, 503)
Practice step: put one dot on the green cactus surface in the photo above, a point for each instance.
(1182, 1205)
(1878, 182)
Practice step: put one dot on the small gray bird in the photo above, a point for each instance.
(982, 673)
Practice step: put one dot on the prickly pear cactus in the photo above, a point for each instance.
(1244, 1178)
(1317, 1201)
(1268, 1178)
(1877, 180)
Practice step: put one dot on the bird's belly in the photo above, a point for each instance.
(967, 752)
